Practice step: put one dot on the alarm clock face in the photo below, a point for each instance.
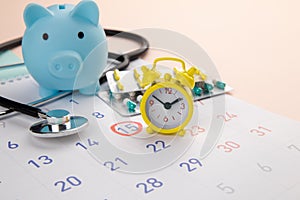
(168, 107)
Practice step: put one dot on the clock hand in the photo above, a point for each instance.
(158, 100)
(166, 105)
(176, 101)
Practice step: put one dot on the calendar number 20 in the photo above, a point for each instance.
(68, 184)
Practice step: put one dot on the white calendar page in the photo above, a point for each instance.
(257, 156)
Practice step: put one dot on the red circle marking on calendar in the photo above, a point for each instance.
(127, 128)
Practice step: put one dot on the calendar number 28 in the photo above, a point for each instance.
(150, 185)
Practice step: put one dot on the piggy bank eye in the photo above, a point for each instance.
(45, 36)
(80, 35)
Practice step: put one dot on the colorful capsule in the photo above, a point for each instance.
(197, 91)
(130, 104)
(207, 88)
(116, 74)
(117, 96)
(219, 84)
(139, 98)
(120, 85)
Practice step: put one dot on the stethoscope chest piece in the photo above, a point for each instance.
(55, 123)
(58, 123)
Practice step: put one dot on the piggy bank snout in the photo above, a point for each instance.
(65, 65)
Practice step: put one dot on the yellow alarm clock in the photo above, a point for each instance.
(167, 105)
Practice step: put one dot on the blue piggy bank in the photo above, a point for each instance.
(64, 47)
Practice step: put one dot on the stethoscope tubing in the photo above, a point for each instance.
(20, 107)
(61, 94)
(123, 62)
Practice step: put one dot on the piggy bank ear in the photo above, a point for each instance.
(34, 12)
(87, 10)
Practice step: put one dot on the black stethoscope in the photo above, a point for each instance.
(59, 123)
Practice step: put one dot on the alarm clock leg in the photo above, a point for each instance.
(181, 132)
(149, 130)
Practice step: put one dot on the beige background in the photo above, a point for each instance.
(254, 43)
